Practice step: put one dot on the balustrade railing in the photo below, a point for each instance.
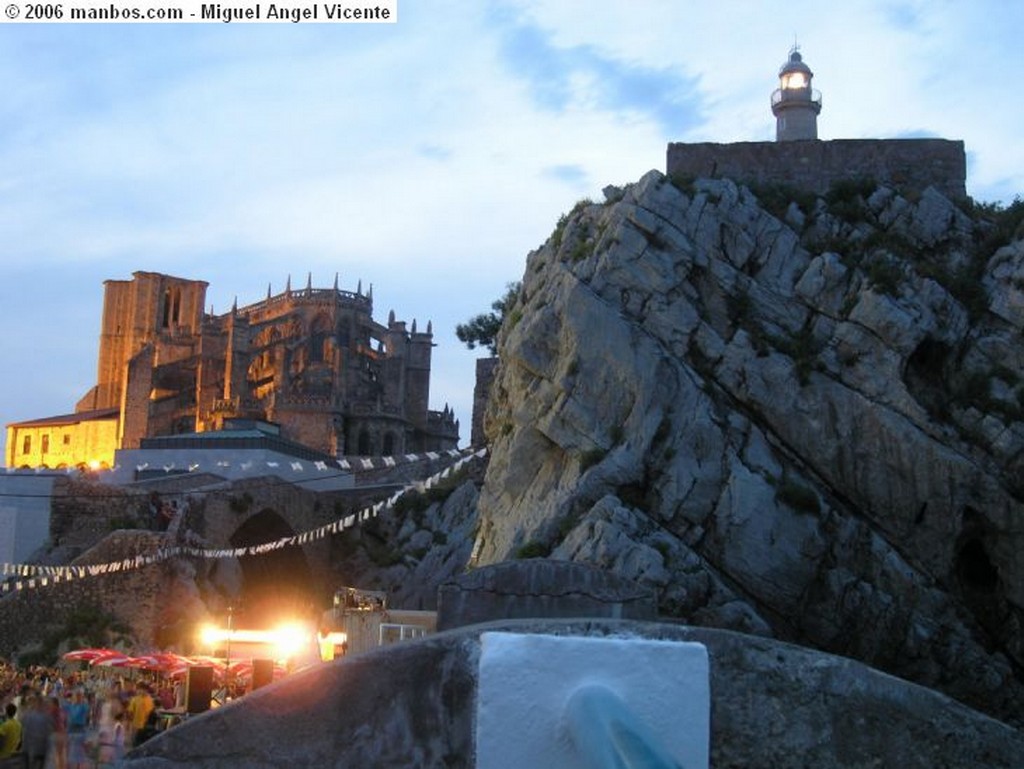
(812, 95)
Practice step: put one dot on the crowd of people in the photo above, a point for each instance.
(58, 720)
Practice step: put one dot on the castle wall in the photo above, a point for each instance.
(135, 399)
(117, 296)
(906, 164)
(309, 421)
(92, 523)
(80, 513)
(237, 360)
(135, 596)
(135, 313)
(212, 378)
(417, 385)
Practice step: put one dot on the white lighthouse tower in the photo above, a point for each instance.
(794, 103)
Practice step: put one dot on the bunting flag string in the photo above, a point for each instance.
(318, 466)
(21, 576)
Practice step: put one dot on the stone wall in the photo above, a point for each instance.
(905, 164)
(98, 523)
(85, 512)
(414, 704)
(538, 587)
(134, 597)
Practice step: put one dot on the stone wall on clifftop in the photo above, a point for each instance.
(909, 165)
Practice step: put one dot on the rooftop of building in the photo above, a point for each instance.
(238, 434)
(70, 419)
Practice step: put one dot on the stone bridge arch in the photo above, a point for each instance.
(277, 584)
(287, 582)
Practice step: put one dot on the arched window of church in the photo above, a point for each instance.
(389, 444)
(272, 351)
(176, 312)
(318, 339)
(363, 446)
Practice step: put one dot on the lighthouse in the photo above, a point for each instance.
(794, 103)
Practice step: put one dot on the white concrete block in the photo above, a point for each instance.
(526, 681)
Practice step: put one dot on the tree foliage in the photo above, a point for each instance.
(483, 329)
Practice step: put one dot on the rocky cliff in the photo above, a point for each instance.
(796, 417)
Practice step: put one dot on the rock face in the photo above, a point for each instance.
(411, 550)
(802, 420)
(414, 705)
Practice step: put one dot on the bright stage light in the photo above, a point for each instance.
(289, 640)
(283, 643)
(209, 635)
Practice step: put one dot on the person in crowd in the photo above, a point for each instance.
(111, 707)
(111, 742)
(10, 736)
(19, 701)
(154, 511)
(36, 727)
(59, 738)
(139, 708)
(77, 712)
(165, 696)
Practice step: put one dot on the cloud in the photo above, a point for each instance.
(561, 76)
(574, 174)
(435, 151)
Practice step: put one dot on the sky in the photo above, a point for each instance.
(425, 157)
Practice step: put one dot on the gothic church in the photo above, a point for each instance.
(313, 361)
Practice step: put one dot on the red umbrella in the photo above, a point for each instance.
(170, 659)
(145, 662)
(158, 662)
(179, 671)
(88, 655)
(165, 662)
(117, 660)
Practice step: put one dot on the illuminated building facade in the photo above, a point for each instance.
(88, 438)
(312, 361)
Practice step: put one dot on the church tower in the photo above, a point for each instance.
(795, 104)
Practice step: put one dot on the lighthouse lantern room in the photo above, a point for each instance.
(794, 103)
